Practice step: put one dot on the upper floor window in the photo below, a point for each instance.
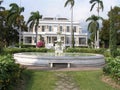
(67, 40)
(50, 28)
(68, 29)
(60, 28)
(43, 28)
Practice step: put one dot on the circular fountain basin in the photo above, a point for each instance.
(44, 59)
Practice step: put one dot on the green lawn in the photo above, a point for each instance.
(40, 80)
(90, 80)
(86, 80)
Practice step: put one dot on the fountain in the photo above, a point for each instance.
(58, 46)
(50, 59)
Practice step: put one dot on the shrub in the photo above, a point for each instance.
(86, 50)
(112, 67)
(1, 46)
(10, 72)
(17, 50)
(28, 46)
(40, 44)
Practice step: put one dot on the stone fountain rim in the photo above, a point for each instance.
(92, 55)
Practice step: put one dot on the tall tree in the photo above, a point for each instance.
(113, 47)
(34, 21)
(104, 33)
(2, 19)
(93, 25)
(71, 2)
(99, 6)
(15, 19)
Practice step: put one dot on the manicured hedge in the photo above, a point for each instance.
(86, 50)
(17, 50)
(10, 72)
(112, 67)
(103, 51)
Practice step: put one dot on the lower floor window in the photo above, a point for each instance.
(28, 39)
(82, 41)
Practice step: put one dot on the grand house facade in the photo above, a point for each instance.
(48, 29)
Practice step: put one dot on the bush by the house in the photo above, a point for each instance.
(85, 50)
(10, 72)
(40, 44)
(17, 50)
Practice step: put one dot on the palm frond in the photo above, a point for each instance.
(21, 9)
(92, 7)
(92, 1)
(71, 2)
(101, 5)
(2, 8)
(88, 19)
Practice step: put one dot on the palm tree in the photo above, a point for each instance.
(1, 8)
(99, 6)
(71, 2)
(34, 21)
(93, 26)
(15, 19)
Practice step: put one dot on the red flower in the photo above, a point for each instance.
(40, 44)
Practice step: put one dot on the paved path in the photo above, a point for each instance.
(65, 82)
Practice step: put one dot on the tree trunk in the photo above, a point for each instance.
(72, 32)
(19, 37)
(113, 37)
(98, 46)
(36, 35)
(95, 41)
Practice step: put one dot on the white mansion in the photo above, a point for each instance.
(48, 29)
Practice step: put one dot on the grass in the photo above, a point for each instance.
(86, 80)
(40, 80)
(90, 80)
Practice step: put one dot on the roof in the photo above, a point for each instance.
(50, 18)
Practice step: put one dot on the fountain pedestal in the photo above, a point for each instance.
(58, 46)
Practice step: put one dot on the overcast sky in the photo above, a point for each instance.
(55, 8)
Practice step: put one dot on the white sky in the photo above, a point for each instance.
(55, 8)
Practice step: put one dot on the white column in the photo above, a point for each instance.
(51, 65)
(86, 41)
(68, 65)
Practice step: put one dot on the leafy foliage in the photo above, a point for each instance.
(17, 50)
(104, 33)
(99, 2)
(10, 72)
(113, 37)
(93, 26)
(40, 44)
(9, 22)
(34, 21)
(113, 67)
(85, 50)
(71, 2)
